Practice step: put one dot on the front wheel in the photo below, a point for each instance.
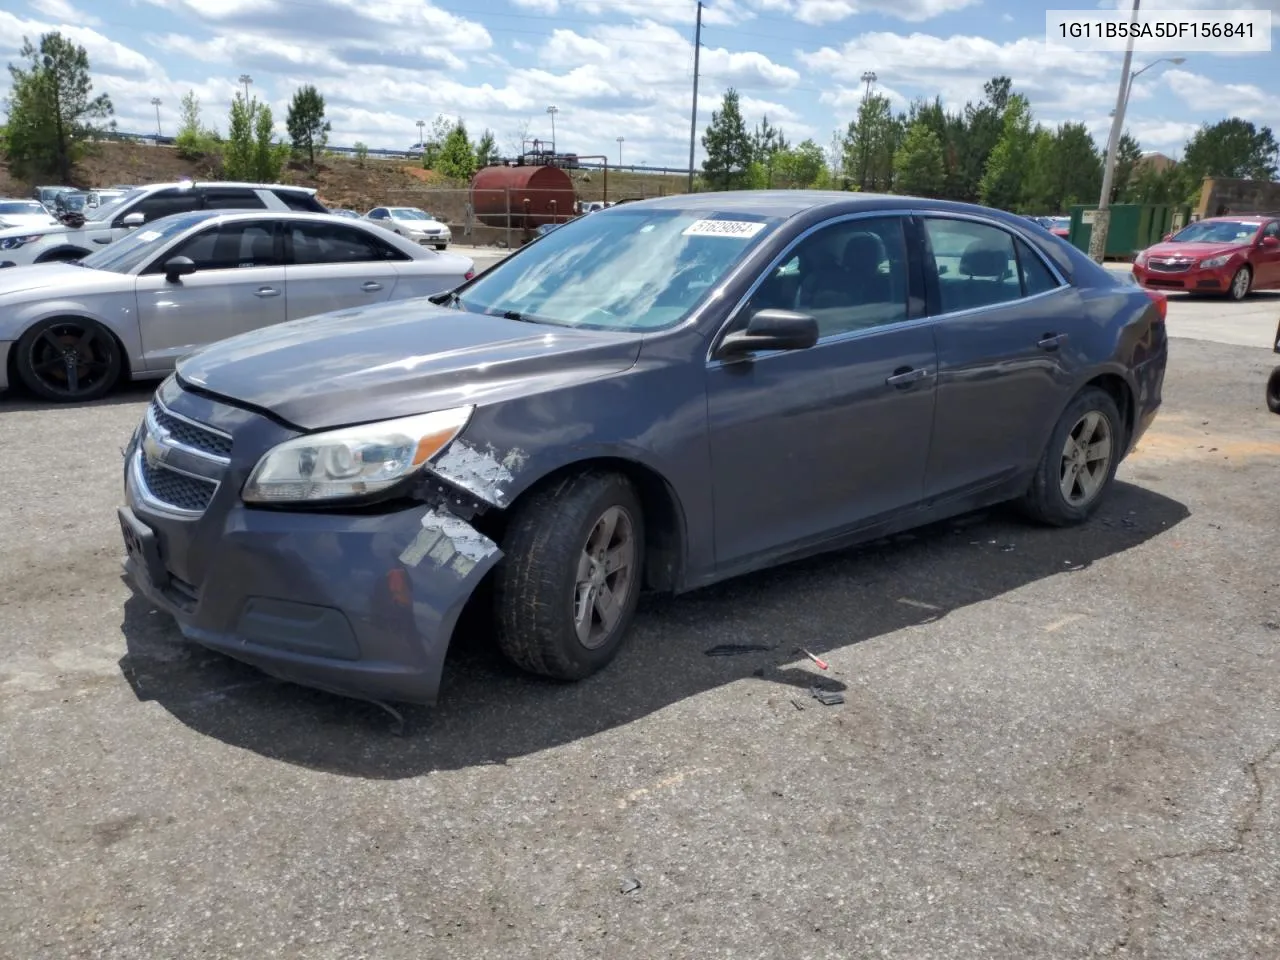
(1079, 462)
(1273, 391)
(569, 581)
(68, 360)
(1240, 284)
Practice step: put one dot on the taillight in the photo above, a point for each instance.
(469, 275)
(1161, 302)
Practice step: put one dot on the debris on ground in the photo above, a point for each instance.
(822, 664)
(735, 649)
(630, 885)
(798, 705)
(1007, 548)
(828, 698)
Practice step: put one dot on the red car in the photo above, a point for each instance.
(1231, 255)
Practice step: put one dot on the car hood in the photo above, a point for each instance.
(396, 359)
(60, 280)
(34, 230)
(24, 221)
(1195, 251)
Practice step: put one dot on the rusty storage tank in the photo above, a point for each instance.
(538, 195)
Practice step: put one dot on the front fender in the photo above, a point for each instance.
(117, 313)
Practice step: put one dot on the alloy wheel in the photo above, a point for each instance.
(605, 577)
(71, 358)
(1086, 459)
(1240, 284)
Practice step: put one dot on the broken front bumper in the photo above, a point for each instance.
(359, 605)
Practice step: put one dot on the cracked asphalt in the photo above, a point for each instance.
(1054, 744)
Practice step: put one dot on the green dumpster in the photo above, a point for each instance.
(1134, 227)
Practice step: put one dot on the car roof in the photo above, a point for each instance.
(1238, 218)
(233, 215)
(225, 183)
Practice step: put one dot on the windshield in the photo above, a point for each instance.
(409, 213)
(112, 207)
(624, 270)
(139, 246)
(1061, 223)
(1217, 231)
(22, 208)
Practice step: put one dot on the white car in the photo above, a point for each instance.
(414, 224)
(25, 213)
(71, 331)
(114, 219)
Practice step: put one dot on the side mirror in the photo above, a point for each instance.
(132, 220)
(1166, 238)
(1271, 241)
(772, 330)
(178, 267)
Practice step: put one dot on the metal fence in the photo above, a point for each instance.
(510, 208)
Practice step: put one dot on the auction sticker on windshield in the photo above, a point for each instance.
(722, 228)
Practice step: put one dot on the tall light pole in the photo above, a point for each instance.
(155, 102)
(553, 110)
(869, 77)
(246, 80)
(1176, 61)
(693, 120)
(421, 142)
(1102, 216)
(620, 139)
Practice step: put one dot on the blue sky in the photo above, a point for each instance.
(624, 67)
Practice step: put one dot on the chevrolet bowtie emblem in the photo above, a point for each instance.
(154, 450)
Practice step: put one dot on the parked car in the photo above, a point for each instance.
(664, 395)
(414, 224)
(111, 221)
(16, 213)
(72, 331)
(98, 197)
(46, 195)
(1231, 255)
(1058, 226)
(343, 212)
(70, 201)
(1273, 382)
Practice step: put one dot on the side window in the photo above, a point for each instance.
(1272, 229)
(1036, 277)
(297, 200)
(379, 214)
(977, 266)
(163, 204)
(336, 243)
(220, 198)
(228, 246)
(848, 276)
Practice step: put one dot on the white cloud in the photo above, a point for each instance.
(64, 13)
(1239, 99)
(912, 11)
(104, 53)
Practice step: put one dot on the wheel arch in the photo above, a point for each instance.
(1122, 392)
(666, 533)
(64, 252)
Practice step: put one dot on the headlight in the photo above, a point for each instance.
(13, 243)
(1215, 261)
(1141, 259)
(353, 461)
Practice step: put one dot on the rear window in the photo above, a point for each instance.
(302, 202)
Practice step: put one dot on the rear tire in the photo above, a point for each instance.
(1273, 391)
(1079, 461)
(566, 590)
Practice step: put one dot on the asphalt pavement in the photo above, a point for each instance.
(1054, 744)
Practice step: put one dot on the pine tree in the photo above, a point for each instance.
(918, 165)
(728, 146)
(486, 150)
(305, 122)
(1001, 184)
(457, 159)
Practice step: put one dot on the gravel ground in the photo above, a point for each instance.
(1055, 744)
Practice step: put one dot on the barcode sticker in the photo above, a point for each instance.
(723, 228)
(148, 235)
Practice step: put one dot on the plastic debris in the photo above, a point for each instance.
(798, 705)
(630, 885)
(734, 649)
(828, 698)
(822, 664)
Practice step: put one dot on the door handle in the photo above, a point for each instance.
(370, 285)
(1051, 341)
(266, 292)
(906, 377)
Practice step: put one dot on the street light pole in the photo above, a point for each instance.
(620, 139)
(422, 144)
(1102, 217)
(868, 78)
(553, 110)
(155, 102)
(246, 80)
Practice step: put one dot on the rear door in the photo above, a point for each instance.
(238, 286)
(333, 266)
(1007, 327)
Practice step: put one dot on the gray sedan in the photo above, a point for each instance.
(134, 308)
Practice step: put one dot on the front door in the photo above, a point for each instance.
(1267, 258)
(807, 444)
(332, 266)
(1007, 332)
(239, 285)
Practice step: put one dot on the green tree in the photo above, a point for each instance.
(1231, 148)
(238, 159)
(362, 153)
(268, 155)
(1172, 185)
(51, 108)
(307, 126)
(919, 167)
(1128, 154)
(728, 146)
(870, 143)
(801, 166)
(767, 143)
(980, 127)
(486, 150)
(1001, 184)
(457, 158)
(194, 140)
(1064, 168)
(441, 127)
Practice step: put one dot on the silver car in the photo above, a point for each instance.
(414, 224)
(71, 331)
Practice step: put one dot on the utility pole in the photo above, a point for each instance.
(868, 78)
(693, 123)
(553, 110)
(155, 102)
(422, 144)
(620, 139)
(1102, 217)
(246, 80)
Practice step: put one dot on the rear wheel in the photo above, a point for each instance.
(1240, 284)
(1079, 462)
(1273, 391)
(566, 590)
(68, 359)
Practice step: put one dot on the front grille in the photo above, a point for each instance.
(176, 489)
(1169, 266)
(191, 435)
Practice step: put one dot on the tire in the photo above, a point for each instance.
(441, 246)
(1045, 500)
(1273, 391)
(1241, 283)
(97, 355)
(539, 585)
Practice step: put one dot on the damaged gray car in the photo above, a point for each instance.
(661, 395)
